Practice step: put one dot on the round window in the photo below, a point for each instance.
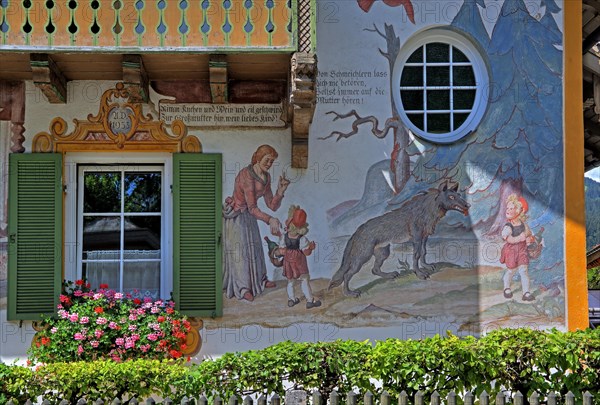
(439, 84)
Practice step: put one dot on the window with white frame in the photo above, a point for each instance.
(122, 222)
(120, 227)
(134, 221)
(440, 85)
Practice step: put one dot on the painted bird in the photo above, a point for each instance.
(365, 5)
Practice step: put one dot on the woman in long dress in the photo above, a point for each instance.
(244, 270)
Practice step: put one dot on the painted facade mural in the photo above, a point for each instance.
(244, 269)
(447, 231)
(434, 189)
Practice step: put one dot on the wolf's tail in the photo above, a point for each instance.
(337, 278)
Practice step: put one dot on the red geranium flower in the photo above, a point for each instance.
(79, 282)
(104, 286)
(137, 301)
(160, 319)
(175, 353)
(98, 310)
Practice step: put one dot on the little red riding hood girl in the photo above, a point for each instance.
(294, 246)
(517, 236)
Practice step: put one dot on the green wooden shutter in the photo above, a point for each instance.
(197, 275)
(35, 235)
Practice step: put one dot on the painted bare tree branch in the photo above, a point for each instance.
(399, 158)
(389, 124)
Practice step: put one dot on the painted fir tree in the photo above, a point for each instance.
(520, 136)
(469, 20)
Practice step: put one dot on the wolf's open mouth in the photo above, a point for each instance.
(465, 211)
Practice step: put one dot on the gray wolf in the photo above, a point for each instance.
(413, 221)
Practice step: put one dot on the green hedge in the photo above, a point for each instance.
(518, 359)
(594, 278)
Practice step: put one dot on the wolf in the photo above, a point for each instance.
(413, 221)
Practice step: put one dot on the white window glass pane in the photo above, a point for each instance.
(412, 76)
(101, 233)
(464, 99)
(459, 119)
(417, 120)
(142, 233)
(438, 100)
(412, 99)
(438, 76)
(102, 192)
(458, 56)
(98, 273)
(463, 76)
(142, 279)
(438, 123)
(416, 56)
(437, 52)
(142, 191)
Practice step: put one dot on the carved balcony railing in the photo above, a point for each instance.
(149, 25)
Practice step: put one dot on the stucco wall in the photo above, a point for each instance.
(353, 179)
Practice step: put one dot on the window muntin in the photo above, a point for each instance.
(120, 227)
(439, 85)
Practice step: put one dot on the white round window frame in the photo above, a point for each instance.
(480, 70)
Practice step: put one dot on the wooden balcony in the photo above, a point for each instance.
(143, 26)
